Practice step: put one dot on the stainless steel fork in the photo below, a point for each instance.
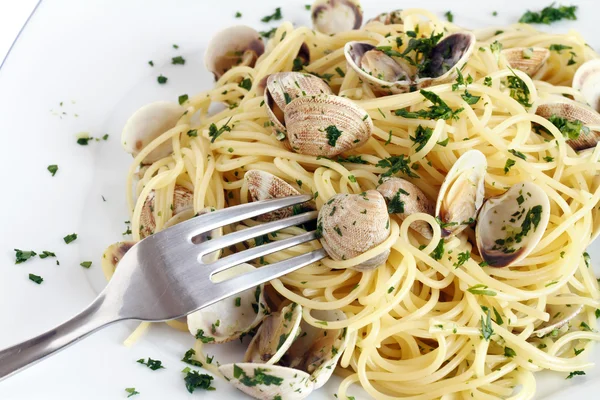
(163, 277)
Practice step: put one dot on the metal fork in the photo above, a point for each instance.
(163, 277)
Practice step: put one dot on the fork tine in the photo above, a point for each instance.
(259, 251)
(253, 232)
(261, 275)
(208, 222)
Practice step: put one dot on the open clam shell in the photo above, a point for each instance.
(275, 335)
(148, 123)
(183, 200)
(560, 315)
(462, 193)
(335, 16)
(228, 319)
(527, 59)
(233, 46)
(511, 225)
(403, 199)
(351, 224)
(587, 81)
(282, 88)
(268, 382)
(388, 18)
(573, 111)
(326, 125)
(317, 351)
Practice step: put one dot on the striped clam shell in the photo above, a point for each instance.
(183, 200)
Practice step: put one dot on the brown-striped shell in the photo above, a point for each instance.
(326, 125)
(351, 224)
(587, 81)
(233, 46)
(335, 16)
(526, 59)
(183, 200)
(388, 18)
(509, 226)
(573, 111)
(462, 193)
(282, 88)
(387, 74)
(403, 199)
(264, 186)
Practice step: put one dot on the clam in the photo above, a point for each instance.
(393, 74)
(462, 193)
(351, 224)
(587, 81)
(282, 88)
(326, 125)
(114, 253)
(577, 113)
(228, 319)
(275, 335)
(264, 186)
(268, 382)
(526, 59)
(237, 45)
(183, 200)
(335, 16)
(148, 123)
(560, 315)
(509, 226)
(388, 18)
(317, 350)
(403, 199)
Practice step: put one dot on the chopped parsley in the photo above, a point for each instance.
(508, 352)
(391, 289)
(182, 99)
(215, 132)
(585, 327)
(351, 159)
(175, 46)
(439, 109)
(152, 364)
(204, 339)
(260, 377)
(46, 254)
(86, 264)
(238, 301)
(333, 134)
(532, 217)
(195, 380)
(36, 278)
(238, 14)
(438, 252)
(449, 16)
(396, 164)
(578, 351)
(188, 358)
(83, 141)
(396, 205)
(70, 238)
(422, 136)
(151, 63)
(246, 83)
(559, 47)
(574, 373)
(586, 258)
(268, 34)
(462, 259)
(469, 98)
(23, 255)
(162, 79)
(461, 80)
(486, 326)
(517, 154)
(131, 391)
(276, 16)
(177, 60)
(509, 163)
(569, 129)
(340, 72)
(487, 81)
(549, 14)
(481, 289)
(53, 169)
(422, 48)
(518, 89)
(192, 133)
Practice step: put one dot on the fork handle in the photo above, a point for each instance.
(16, 358)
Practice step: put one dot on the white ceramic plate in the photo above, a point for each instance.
(93, 57)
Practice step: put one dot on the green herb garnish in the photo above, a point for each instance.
(52, 169)
(276, 16)
(549, 14)
(70, 238)
(439, 109)
(36, 278)
(152, 364)
(177, 60)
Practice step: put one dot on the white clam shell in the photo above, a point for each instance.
(236, 45)
(462, 192)
(351, 224)
(287, 383)
(233, 320)
(572, 111)
(183, 200)
(404, 198)
(587, 81)
(560, 315)
(264, 186)
(311, 121)
(526, 59)
(148, 123)
(511, 225)
(388, 18)
(335, 16)
(275, 335)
